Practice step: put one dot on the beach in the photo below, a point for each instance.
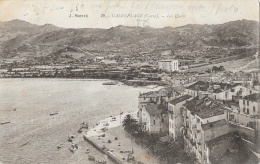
(33, 134)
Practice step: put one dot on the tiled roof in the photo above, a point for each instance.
(179, 89)
(214, 124)
(198, 85)
(150, 94)
(155, 109)
(191, 103)
(205, 107)
(218, 90)
(204, 86)
(220, 139)
(180, 99)
(253, 97)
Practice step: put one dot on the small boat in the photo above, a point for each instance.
(84, 125)
(53, 114)
(23, 144)
(7, 122)
(69, 139)
(73, 147)
(91, 158)
(79, 131)
(60, 146)
(101, 161)
(110, 83)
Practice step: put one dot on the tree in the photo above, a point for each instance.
(129, 123)
(141, 134)
(152, 140)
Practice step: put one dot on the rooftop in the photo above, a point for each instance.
(204, 107)
(168, 60)
(149, 94)
(214, 124)
(180, 99)
(155, 109)
(179, 89)
(253, 97)
(220, 139)
(200, 85)
(77, 70)
(215, 87)
(162, 92)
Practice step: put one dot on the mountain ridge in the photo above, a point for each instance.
(22, 39)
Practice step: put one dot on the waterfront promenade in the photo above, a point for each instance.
(121, 144)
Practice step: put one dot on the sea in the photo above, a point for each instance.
(33, 134)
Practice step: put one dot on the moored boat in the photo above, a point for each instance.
(7, 122)
(73, 147)
(110, 83)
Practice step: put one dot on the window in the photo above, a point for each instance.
(247, 111)
(153, 122)
(244, 110)
(232, 90)
(253, 109)
(244, 102)
(162, 120)
(247, 102)
(250, 91)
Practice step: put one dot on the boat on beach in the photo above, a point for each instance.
(7, 122)
(60, 146)
(73, 147)
(110, 83)
(53, 114)
(91, 158)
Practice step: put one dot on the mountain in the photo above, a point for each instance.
(22, 40)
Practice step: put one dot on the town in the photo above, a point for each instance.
(214, 117)
(211, 116)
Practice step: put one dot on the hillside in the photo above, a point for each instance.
(22, 40)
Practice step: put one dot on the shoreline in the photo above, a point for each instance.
(117, 150)
(142, 84)
(34, 119)
(111, 124)
(95, 132)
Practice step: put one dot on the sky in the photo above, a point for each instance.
(142, 13)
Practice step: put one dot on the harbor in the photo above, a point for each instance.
(110, 138)
(33, 135)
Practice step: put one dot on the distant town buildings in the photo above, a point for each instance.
(169, 65)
